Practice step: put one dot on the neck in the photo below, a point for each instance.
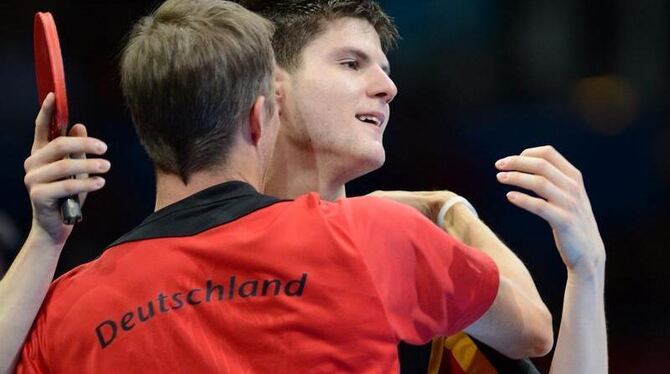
(170, 188)
(295, 171)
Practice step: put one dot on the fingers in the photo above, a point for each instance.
(544, 171)
(49, 193)
(550, 154)
(551, 213)
(79, 130)
(61, 147)
(43, 121)
(65, 168)
(536, 166)
(536, 183)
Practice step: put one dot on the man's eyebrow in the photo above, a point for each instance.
(364, 57)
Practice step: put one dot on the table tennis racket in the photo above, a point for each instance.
(51, 78)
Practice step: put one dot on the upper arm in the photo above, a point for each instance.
(429, 283)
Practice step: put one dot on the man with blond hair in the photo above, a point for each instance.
(211, 197)
(333, 92)
(223, 279)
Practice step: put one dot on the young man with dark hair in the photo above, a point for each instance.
(221, 274)
(332, 57)
(325, 48)
(458, 219)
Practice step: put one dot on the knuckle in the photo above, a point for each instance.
(571, 204)
(540, 206)
(545, 150)
(27, 164)
(573, 188)
(512, 176)
(35, 194)
(28, 180)
(543, 166)
(59, 145)
(60, 167)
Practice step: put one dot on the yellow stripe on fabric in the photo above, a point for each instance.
(468, 356)
(436, 353)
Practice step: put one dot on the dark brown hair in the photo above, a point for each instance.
(190, 73)
(298, 22)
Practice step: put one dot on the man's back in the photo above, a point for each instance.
(229, 280)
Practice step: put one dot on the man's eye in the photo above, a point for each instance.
(351, 64)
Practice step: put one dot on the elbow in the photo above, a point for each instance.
(539, 336)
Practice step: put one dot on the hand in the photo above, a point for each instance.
(562, 202)
(48, 170)
(426, 202)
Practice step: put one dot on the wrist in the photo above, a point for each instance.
(588, 271)
(39, 237)
(455, 207)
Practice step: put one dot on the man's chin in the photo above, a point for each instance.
(367, 164)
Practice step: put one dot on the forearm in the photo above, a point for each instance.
(461, 223)
(518, 324)
(526, 330)
(582, 339)
(22, 291)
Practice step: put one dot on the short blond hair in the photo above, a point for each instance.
(190, 73)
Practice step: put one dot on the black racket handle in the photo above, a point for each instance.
(70, 210)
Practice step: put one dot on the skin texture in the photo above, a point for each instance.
(321, 142)
(24, 286)
(328, 152)
(317, 151)
(561, 200)
(322, 145)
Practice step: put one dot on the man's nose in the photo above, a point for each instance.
(382, 85)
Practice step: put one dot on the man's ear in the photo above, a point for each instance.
(257, 119)
(280, 81)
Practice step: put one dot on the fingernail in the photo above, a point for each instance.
(104, 165)
(500, 163)
(511, 195)
(99, 181)
(501, 176)
(102, 147)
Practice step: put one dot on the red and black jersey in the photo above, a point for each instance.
(231, 281)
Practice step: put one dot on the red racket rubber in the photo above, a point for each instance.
(51, 78)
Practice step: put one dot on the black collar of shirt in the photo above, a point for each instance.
(199, 212)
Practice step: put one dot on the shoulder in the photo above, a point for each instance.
(63, 285)
(362, 208)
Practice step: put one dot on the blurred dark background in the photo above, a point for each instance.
(478, 80)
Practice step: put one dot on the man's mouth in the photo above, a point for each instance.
(371, 118)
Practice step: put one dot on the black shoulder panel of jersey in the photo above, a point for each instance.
(199, 212)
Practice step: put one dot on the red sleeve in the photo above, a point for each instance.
(429, 283)
(31, 359)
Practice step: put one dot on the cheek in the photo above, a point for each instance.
(333, 100)
(318, 106)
